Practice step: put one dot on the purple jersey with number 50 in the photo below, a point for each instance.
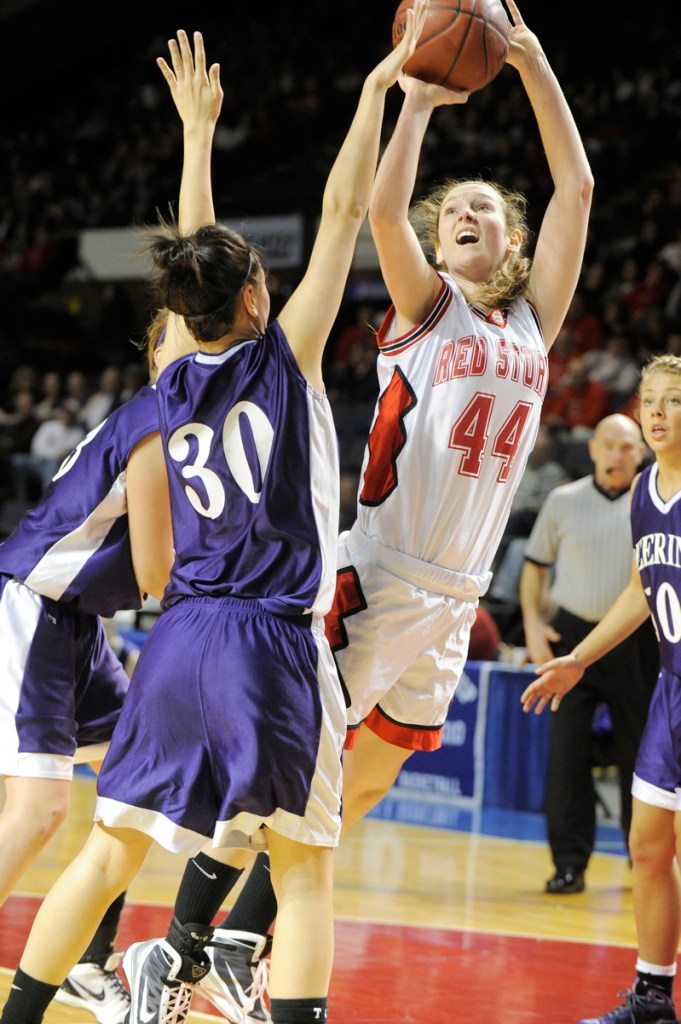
(74, 545)
(656, 533)
(252, 461)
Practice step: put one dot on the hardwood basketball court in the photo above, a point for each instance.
(433, 924)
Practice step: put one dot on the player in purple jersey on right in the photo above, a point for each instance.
(234, 723)
(654, 589)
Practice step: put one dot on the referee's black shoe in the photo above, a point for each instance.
(565, 882)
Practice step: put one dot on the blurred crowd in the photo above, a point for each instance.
(109, 156)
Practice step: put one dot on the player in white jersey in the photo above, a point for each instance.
(253, 678)
(653, 589)
(463, 370)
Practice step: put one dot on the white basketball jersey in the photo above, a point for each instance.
(457, 416)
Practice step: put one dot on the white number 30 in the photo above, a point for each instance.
(212, 502)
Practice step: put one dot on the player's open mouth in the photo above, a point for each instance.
(467, 237)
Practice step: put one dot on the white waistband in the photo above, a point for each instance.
(420, 574)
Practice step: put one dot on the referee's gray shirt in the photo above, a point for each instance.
(586, 537)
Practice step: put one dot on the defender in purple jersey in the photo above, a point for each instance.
(654, 589)
(462, 371)
(234, 723)
(97, 541)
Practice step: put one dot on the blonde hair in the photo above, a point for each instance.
(664, 363)
(154, 338)
(510, 280)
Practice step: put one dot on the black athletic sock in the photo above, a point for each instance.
(102, 945)
(663, 982)
(298, 1011)
(203, 888)
(28, 1000)
(256, 905)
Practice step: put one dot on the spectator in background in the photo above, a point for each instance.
(22, 378)
(360, 331)
(356, 378)
(651, 290)
(18, 426)
(51, 443)
(582, 537)
(133, 378)
(76, 389)
(352, 374)
(615, 368)
(584, 324)
(104, 400)
(16, 433)
(562, 351)
(50, 395)
(580, 403)
(614, 316)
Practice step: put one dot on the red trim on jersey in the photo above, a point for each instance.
(351, 736)
(387, 439)
(496, 316)
(409, 737)
(348, 599)
(398, 345)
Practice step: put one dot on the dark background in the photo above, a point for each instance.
(89, 135)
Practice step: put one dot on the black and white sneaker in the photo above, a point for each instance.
(652, 1007)
(237, 981)
(156, 994)
(98, 989)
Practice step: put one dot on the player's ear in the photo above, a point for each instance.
(248, 298)
(515, 241)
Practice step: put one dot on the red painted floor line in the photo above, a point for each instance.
(415, 975)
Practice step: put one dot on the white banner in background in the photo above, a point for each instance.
(114, 254)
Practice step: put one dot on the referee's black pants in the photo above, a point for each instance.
(624, 679)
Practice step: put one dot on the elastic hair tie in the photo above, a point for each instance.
(250, 267)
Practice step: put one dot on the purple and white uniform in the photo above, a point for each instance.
(68, 562)
(457, 416)
(656, 533)
(236, 718)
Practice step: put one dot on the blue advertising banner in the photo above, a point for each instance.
(493, 754)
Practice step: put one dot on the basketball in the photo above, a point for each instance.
(463, 44)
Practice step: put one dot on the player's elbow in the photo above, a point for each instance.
(154, 586)
(581, 189)
(586, 187)
(348, 209)
(152, 578)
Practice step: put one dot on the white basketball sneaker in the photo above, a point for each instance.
(98, 989)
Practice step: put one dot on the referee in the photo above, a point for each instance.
(581, 546)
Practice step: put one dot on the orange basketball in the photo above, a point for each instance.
(463, 45)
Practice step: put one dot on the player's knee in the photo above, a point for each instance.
(648, 852)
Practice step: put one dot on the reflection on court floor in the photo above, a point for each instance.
(433, 923)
